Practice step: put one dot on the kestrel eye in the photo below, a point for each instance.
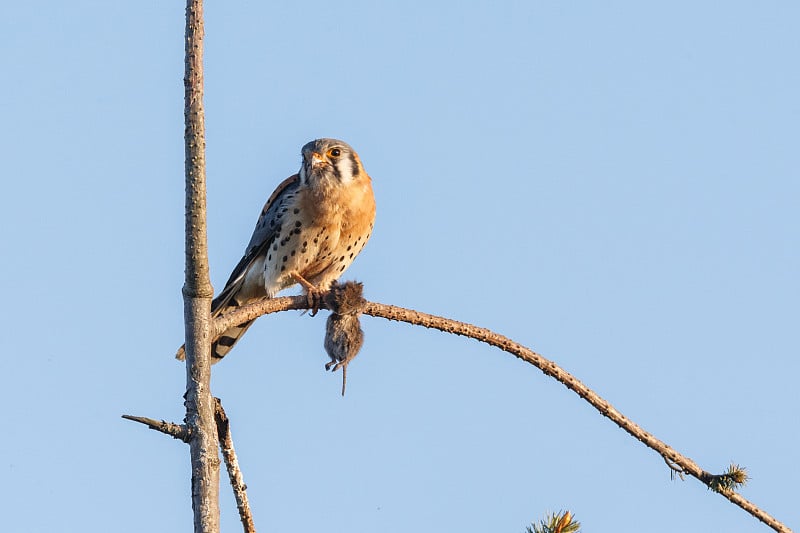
(335, 152)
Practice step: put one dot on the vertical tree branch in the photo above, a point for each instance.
(232, 464)
(197, 290)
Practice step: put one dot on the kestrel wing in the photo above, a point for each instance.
(267, 229)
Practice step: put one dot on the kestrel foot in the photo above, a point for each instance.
(329, 364)
(313, 294)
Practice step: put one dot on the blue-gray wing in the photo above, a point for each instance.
(267, 229)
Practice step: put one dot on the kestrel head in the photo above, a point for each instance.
(329, 159)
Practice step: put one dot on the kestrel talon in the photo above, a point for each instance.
(311, 228)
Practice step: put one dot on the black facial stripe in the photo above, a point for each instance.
(354, 164)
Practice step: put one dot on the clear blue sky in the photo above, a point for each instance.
(613, 184)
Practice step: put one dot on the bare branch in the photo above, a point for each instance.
(176, 431)
(685, 464)
(264, 306)
(676, 461)
(197, 290)
(232, 464)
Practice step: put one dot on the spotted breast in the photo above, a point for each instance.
(310, 230)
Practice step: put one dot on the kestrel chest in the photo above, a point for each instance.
(320, 236)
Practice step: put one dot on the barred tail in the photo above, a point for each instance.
(223, 345)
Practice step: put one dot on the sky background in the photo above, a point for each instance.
(613, 184)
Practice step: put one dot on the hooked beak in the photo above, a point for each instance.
(317, 159)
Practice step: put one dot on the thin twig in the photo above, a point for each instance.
(176, 431)
(677, 461)
(232, 464)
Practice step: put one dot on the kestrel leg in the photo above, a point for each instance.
(312, 292)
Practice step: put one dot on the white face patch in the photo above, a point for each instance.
(344, 165)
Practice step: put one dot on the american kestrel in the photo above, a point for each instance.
(309, 232)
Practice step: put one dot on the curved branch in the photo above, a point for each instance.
(676, 460)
